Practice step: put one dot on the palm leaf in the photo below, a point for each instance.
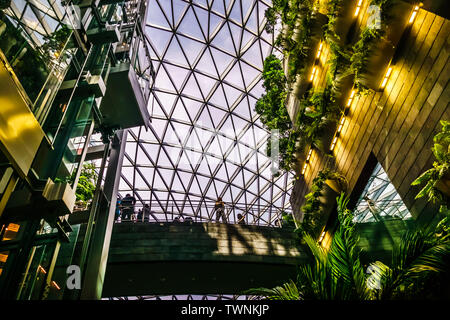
(287, 291)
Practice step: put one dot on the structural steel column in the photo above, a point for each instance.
(98, 254)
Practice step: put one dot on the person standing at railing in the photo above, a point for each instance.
(146, 212)
(118, 204)
(128, 207)
(220, 210)
(240, 219)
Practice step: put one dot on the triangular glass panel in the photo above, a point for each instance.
(142, 157)
(175, 55)
(250, 73)
(156, 16)
(253, 187)
(167, 101)
(205, 83)
(228, 129)
(218, 98)
(158, 183)
(242, 109)
(246, 6)
(218, 7)
(192, 107)
(206, 64)
(159, 126)
(253, 56)
(189, 26)
(167, 9)
(252, 22)
(163, 81)
(147, 173)
(220, 186)
(167, 175)
(163, 160)
(178, 9)
(177, 74)
(180, 113)
(222, 60)
(203, 181)
(154, 108)
(236, 32)
(231, 168)
(205, 120)
(238, 181)
(266, 49)
(234, 77)
(239, 124)
(184, 162)
(222, 40)
(204, 136)
(231, 93)
(247, 138)
(222, 173)
(236, 12)
(158, 38)
(214, 23)
(191, 89)
(216, 114)
(202, 16)
(251, 164)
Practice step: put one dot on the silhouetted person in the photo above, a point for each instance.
(188, 219)
(128, 206)
(146, 212)
(220, 210)
(240, 219)
(139, 215)
(176, 220)
(117, 214)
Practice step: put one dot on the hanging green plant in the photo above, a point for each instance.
(86, 184)
(272, 105)
(362, 50)
(437, 179)
(312, 209)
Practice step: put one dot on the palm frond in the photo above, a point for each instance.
(287, 291)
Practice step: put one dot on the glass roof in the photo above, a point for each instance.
(380, 200)
(205, 139)
(37, 17)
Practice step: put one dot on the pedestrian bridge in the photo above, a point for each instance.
(198, 258)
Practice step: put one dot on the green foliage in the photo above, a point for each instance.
(297, 18)
(336, 274)
(86, 183)
(440, 169)
(272, 105)
(312, 209)
(361, 54)
(54, 44)
(419, 267)
(287, 291)
(317, 109)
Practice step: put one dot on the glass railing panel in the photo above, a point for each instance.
(39, 70)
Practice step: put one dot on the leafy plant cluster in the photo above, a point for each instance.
(362, 50)
(312, 209)
(440, 170)
(297, 17)
(86, 184)
(272, 109)
(317, 109)
(418, 269)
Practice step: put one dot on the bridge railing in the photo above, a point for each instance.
(202, 211)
